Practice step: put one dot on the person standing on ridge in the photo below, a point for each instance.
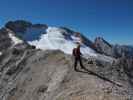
(77, 56)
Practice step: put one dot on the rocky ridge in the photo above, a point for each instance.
(27, 73)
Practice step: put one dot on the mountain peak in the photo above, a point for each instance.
(45, 37)
(18, 25)
(40, 65)
(22, 25)
(103, 46)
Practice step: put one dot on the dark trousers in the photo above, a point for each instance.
(78, 60)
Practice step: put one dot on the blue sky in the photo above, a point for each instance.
(111, 19)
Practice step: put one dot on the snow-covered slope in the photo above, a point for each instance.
(59, 39)
(53, 38)
(45, 38)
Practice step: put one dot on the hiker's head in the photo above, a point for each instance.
(78, 44)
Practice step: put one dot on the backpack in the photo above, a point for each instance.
(74, 52)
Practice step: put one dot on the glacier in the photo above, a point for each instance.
(55, 40)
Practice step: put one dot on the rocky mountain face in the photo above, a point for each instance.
(27, 73)
(122, 50)
(26, 30)
(31, 74)
(102, 46)
(29, 32)
(18, 26)
(117, 51)
(5, 41)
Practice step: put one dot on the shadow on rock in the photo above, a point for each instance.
(86, 71)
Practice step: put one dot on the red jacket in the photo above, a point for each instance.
(76, 52)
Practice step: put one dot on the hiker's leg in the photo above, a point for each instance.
(81, 64)
(75, 63)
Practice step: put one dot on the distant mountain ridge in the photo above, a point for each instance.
(116, 51)
(30, 32)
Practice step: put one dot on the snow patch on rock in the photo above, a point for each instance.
(55, 40)
(15, 39)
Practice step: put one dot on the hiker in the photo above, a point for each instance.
(77, 56)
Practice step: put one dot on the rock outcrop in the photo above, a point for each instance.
(117, 51)
(26, 30)
(27, 73)
(31, 74)
(102, 46)
(5, 40)
(18, 26)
